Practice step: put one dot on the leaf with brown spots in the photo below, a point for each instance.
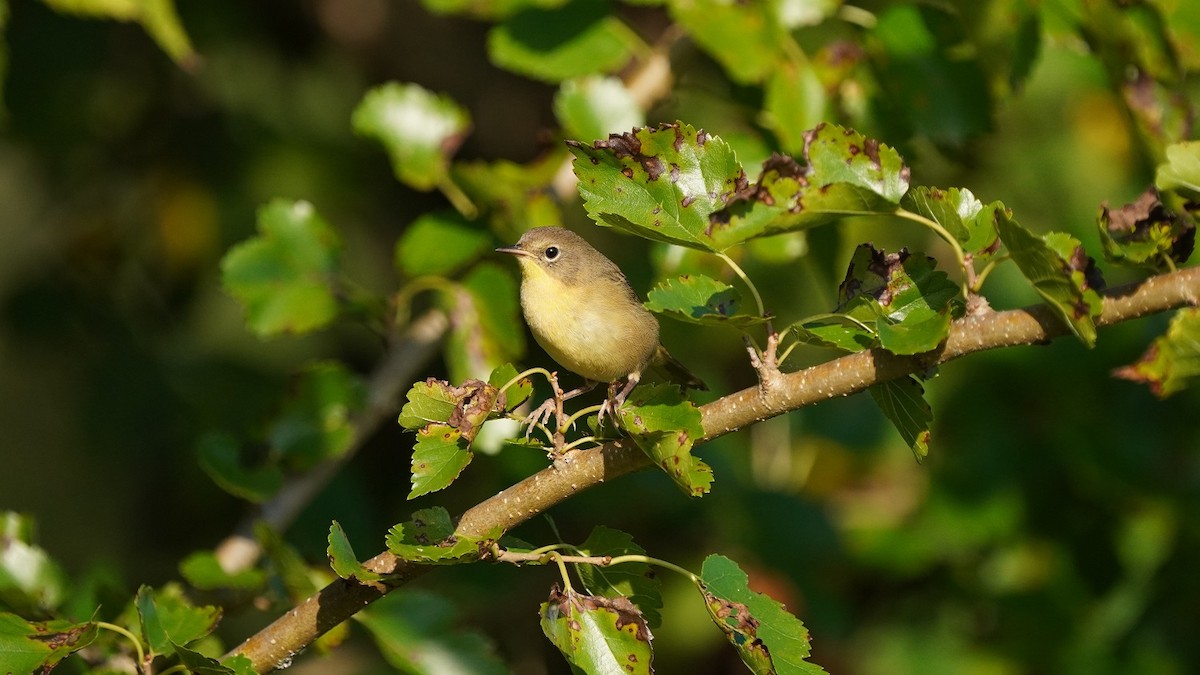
(1173, 361)
(633, 580)
(428, 537)
(665, 425)
(699, 299)
(1145, 233)
(37, 646)
(598, 635)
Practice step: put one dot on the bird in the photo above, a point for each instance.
(583, 313)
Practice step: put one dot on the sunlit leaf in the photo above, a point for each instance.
(1173, 360)
(285, 276)
(516, 394)
(597, 635)
(1145, 233)
(428, 537)
(594, 107)
(342, 559)
(665, 425)
(316, 422)
(420, 130)
(220, 458)
(795, 100)
(430, 401)
(696, 298)
(37, 646)
(439, 243)
(766, 636)
(1181, 172)
(960, 214)
(633, 580)
(415, 631)
(745, 37)
(577, 39)
(903, 403)
(440, 455)
(31, 582)
(168, 618)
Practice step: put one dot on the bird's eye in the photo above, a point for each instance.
(551, 252)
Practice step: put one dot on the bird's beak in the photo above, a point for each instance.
(513, 250)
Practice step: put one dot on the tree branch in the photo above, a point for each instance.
(583, 469)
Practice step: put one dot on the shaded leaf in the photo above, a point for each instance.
(633, 580)
(415, 631)
(1173, 360)
(316, 422)
(440, 455)
(485, 9)
(696, 298)
(342, 559)
(37, 646)
(220, 458)
(1145, 233)
(766, 636)
(960, 214)
(1060, 271)
(285, 276)
(1181, 172)
(200, 664)
(577, 39)
(486, 329)
(835, 333)
(430, 401)
(513, 197)
(420, 130)
(516, 394)
(168, 618)
(597, 635)
(665, 425)
(428, 537)
(794, 100)
(594, 107)
(285, 563)
(31, 582)
(202, 570)
(744, 37)
(439, 243)
(158, 17)
(903, 403)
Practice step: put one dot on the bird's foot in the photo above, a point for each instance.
(540, 416)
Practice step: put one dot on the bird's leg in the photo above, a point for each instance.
(554, 406)
(612, 403)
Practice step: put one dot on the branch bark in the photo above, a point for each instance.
(579, 470)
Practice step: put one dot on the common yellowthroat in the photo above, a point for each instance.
(582, 311)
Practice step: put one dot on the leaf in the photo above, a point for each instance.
(633, 580)
(199, 664)
(903, 403)
(440, 455)
(285, 277)
(428, 538)
(167, 618)
(415, 631)
(836, 333)
(1060, 272)
(516, 394)
(744, 37)
(514, 197)
(31, 582)
(430, 401)
(420, 130)
(202, 570)
(486, 328)
(699, 299)
(665, 425)
(681, 186)
(960, 214)
(794, 100)
(1181, 172)
(580, 38)
(597, 635)
(157, 17)
(285, 563)
(1145, 233)
(342, 559)
(767, 637)
(593, 107)
(439, 243)
(317, 421)
(37, 646)
(1172, 360)
(220, 459)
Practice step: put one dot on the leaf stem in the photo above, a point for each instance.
(458, 199)
(582, 413)
(137, 644)
(762, 312)
(403, 297)
(857, 16)
(946, 236)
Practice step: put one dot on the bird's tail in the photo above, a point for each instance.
(671, 369)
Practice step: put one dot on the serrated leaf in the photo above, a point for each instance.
(440, 455)
(167, 618)
(633, 580)
(202, 570)
(199, 664)
(699, 299)
(766, 636)
(681, 186)
(342, 559)
(516, 394)
(420, 130)
(37, 646)
(219, 457)
(1059, 270)
(577, 39)
(439, 243)
(285, 276)
(415, 631)
(316, 423)
(594, 107)
(430, 401)
(1173, 359)
(1145, 233)
(838, 334)
(597, 635)
(31, 582)
(1181, 172)
(744, 37)
(428, 537)
(960, 214)
(903, 403)
(665, 425)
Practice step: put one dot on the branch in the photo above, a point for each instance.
(580, 470)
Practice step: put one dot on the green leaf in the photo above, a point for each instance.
(285, 563)
(202, 570)
(1061, 272)
(486, 327)
(420, 130)
(681, 186)
(439, 243)
(440, 455)
(485, 9)
(342, 559)
(316, 423)
(30, 581)
(795, 100)
(167, 618)
(428, 538)
(767, 637)
(1173, 360)
(696, 298)
(37, 646)
(577, 39)
(199, 664)
(157, 17)
(430, 401)
(633, 580)
(597, 635)
(665, 425)
(903, 403)
(594, 107)
(518, 393)
(514, 197)
(1181, 172)
(415, 631)
(220, 459)
(1145, 233)
(744, 37)
(838, 333)
(285, 277)
(960, 214)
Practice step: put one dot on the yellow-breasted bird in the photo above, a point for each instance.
(582, 311)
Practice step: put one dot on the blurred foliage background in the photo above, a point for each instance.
(1052, 529)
